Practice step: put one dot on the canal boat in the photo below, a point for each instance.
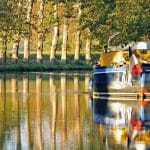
(123, 71)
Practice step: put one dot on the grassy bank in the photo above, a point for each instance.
(46, 65)
(43, 67)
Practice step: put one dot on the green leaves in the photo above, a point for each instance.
(102, 17)
(131, 19)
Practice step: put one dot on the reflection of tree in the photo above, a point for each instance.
(87, 96)
(37, 131)
(2, 84)
(24, 123)
(25, 130)
(76, 106)
(14, 89)
(54, 110)
(2, 108)
(14, 84)
(64, 110)
(15, 108)
(25, 83)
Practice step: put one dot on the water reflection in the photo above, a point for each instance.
(51, 111)
(122, 124)
(53, 100)
(24, 119)
(45, 111)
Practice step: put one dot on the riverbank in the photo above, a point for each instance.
(32, 65)
(43, 67)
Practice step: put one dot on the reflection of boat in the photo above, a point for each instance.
(123, 70)
(118, 136)
(114, 118)
(142, 140)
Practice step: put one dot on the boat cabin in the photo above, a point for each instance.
(121, 57)
(114, 58)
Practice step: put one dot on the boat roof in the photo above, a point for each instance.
(141, 45)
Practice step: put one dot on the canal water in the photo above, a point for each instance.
(56, 111)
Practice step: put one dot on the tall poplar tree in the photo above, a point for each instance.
(78, 33)
(3, 46)
(88, 47)
(27, 34)
(5, 28)
(18, 28)
(40, 32)
(55, 33)
(67, 15)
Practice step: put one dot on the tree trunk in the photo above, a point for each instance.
(55, 35)
(28, 31)
(77, 46)
(15, 49)
(26, 49)
(88, 49)
(3, 48)
(40, 32)
(77, 41)
(40, 48)
(16, 37)
(64, 44)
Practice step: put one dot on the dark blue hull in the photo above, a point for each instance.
(119, 79)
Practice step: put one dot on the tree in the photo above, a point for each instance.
(17, 30)
(3, 47)
(5, 27)
(55, 33)
(101, 18)
(94, 16)
(15, 48)
(78, 33)
(40, 32)
(88, 47)
(131, 19)
(93, 22)
(27, 34)
(67, 15)
(11, 25)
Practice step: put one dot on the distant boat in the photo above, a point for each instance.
(123, 71)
